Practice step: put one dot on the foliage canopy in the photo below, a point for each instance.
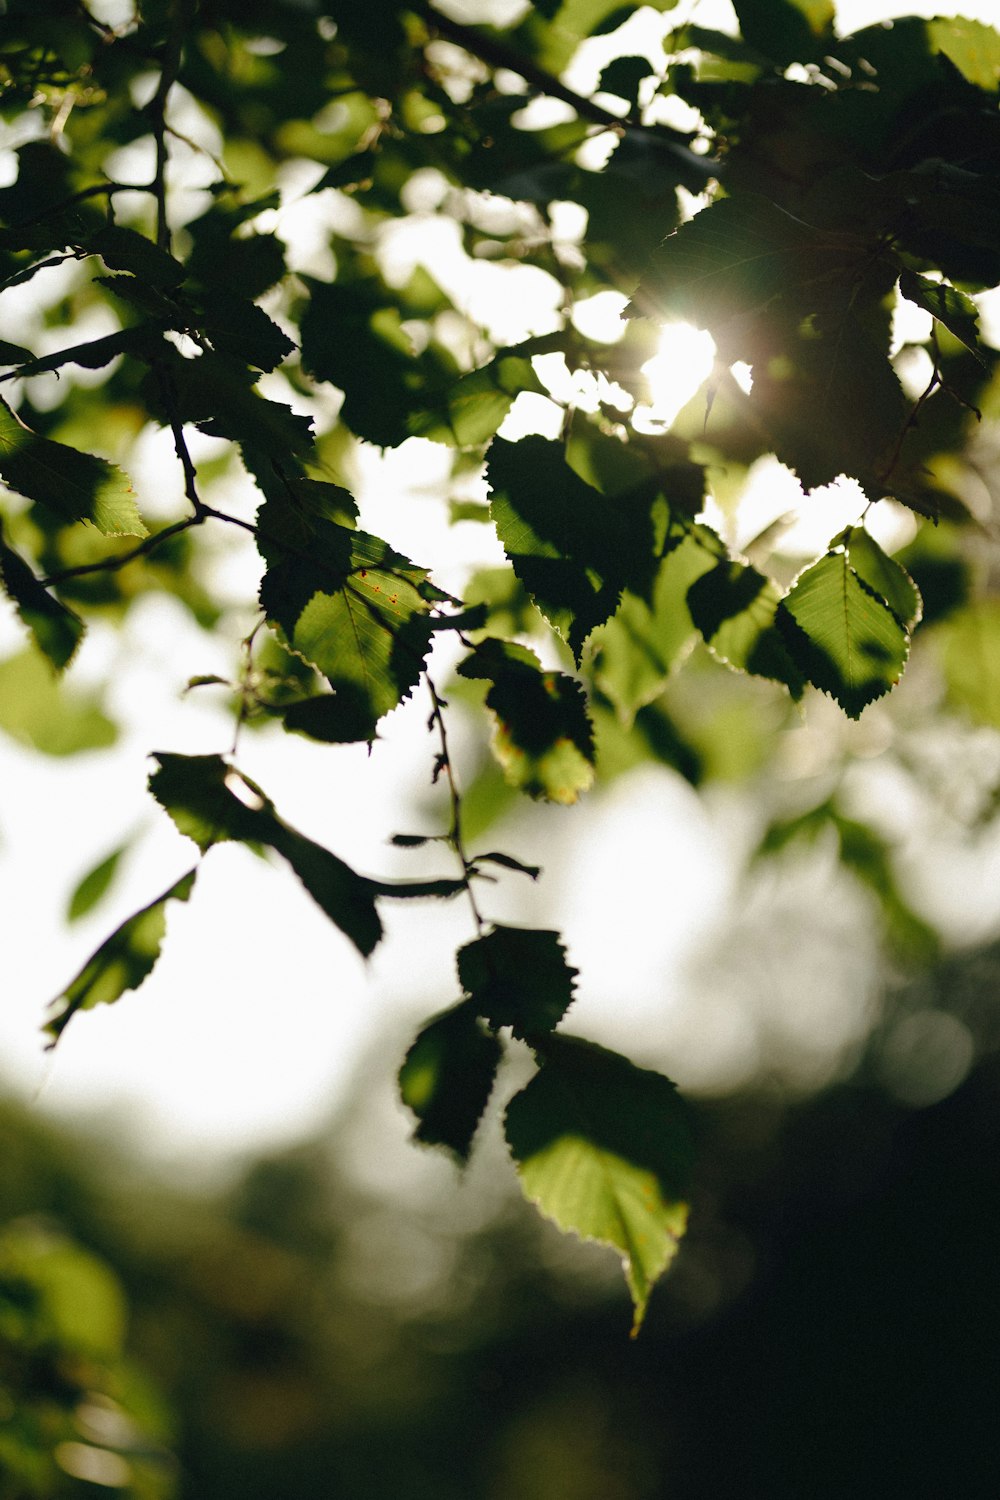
(821, 183)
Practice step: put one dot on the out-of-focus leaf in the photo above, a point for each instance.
(447, 1078)
(639, 647)
(518, 977)
(122, 961)
(969, 646)
(787, 30)
(210, 802)
(51, 716)
(543, 740)
(94, 885)
(76, 486)
(604, 1149)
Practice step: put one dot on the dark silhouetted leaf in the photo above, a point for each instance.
(57, 631)
(210, 803)
(447, 1078)
(573, 548)
(518, 977)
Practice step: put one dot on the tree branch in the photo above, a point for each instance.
(496, 54)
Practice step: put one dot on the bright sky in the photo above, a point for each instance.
(259, 1010)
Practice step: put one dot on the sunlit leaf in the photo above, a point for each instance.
(76, 486)
(604, 1149)
(49, 715)
(447, 1078)
(543, 739)
(841, 635)
(952, 308)
(122, 961)
(735, 607)
(885, 575)
(639, 647)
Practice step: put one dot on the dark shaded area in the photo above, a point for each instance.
(832, 1326)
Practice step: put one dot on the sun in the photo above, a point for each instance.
(682, 363)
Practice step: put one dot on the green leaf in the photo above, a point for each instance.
(787, 30)
(447, 1078)
(92, 887)
(802, 306)
(76, 486)
(47, 714)
(638, 649)
(469, 412)
(122, 961)
(957, 312)
(604, 1149)
(573, 548)
(543, 739)
(354, 609)
(973, 47)
(123, 249)
(57, 630)
(734, 607)
(969, 644)
(211, 802)
(841, 635)
(518, 977)
(885, 576)
(238, 327)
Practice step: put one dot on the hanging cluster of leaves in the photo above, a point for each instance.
(832, 176)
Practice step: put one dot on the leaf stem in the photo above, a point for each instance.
(455, 832)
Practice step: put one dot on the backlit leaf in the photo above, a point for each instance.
(76, 486)
(122, 961)
(573, 548)
(841, 635)
(734, 607)
(51, 716)
(604, 1149)
(885, 575)
(543, 739)
(957, 312)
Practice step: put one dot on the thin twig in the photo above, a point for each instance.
(112, 564)
(496, 54)
(455, 832)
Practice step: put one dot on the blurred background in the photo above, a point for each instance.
(224, 1268)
